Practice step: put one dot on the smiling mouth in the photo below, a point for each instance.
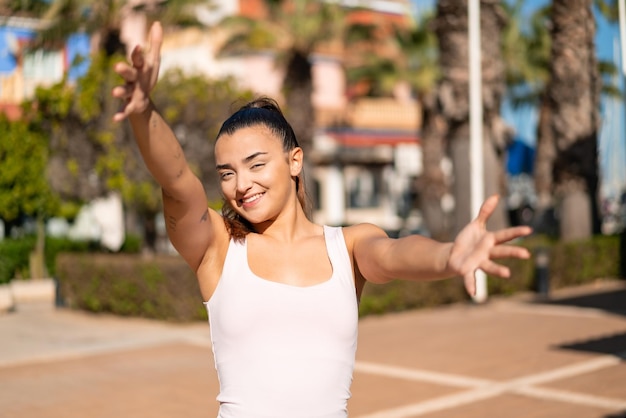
(251, 199)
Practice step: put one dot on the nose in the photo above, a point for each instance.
(244, 183)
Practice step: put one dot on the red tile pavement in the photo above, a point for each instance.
(507, 358)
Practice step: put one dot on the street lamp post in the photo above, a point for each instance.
(622, 37)
(476, 129)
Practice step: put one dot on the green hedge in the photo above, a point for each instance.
(14, 258)
(159, 287)
(165, 287)
(14, 253)
(570, 264)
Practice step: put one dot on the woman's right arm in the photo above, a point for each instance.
(191, 226)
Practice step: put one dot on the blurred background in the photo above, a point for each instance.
(378, 92)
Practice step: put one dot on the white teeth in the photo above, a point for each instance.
(252, 198)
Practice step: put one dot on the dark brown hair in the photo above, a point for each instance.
(264, 112)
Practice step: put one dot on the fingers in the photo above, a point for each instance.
(136, 57)
(127, 109)
(489, 268)
(140, 75)
(120, 116)
(509, 251)
(128, 73)
(508, 234)
(155, 40)
(122, 92)
(470, 284)
(494, 269)
(487, 209)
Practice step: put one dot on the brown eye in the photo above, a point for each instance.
(226, 175)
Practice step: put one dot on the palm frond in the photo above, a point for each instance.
(611, 90)
(245, 35)
(607, 68)
(608, 8)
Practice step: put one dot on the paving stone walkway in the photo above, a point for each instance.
(509, 358)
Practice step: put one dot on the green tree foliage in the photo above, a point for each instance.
(294, 30)
(23, 186)
(608, 8)
(526, 53)
(195, 107)
(102, 19)
(91, 156)
(410, 54)
(24, 7)
(85, 156)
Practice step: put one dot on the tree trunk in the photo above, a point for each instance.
(432, 183)
(572, 120)
(37, 260)
(298, 90)
(544, 180)
(451, 27)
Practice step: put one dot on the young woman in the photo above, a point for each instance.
(281, 292)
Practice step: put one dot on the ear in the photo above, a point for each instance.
(296, 160)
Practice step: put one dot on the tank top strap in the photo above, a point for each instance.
(338, 253)
(236, 255)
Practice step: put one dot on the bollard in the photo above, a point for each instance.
(542, 272)
(58, 297)
(622, 253)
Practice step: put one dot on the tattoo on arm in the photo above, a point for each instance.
(205, 216)
(171, 223)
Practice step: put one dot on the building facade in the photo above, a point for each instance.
(366, 151)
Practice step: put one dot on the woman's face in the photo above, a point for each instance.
(256, 175)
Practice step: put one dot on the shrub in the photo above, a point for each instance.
(570, 264)
(159, 287)
(165, 288)
(14, 253)
(14, 257)
(578, 262)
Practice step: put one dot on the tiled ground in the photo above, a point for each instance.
(507, 358)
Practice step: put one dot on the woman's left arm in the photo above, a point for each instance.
(380, 259)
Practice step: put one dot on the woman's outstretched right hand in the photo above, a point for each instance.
(140, 75)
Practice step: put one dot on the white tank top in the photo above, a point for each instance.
(284, 351)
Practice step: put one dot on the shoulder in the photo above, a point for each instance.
(360, 233)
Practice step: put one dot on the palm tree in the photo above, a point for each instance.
(528, 61)
(417, 64)
(526, 54)
(102, 20)
(294, 31)
(30, 8)
(452, 99)
(436, 66)
(567, 165)
(423, 73)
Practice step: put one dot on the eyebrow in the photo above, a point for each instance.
(245, 160)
